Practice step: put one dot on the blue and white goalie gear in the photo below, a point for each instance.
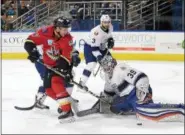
(160, 112)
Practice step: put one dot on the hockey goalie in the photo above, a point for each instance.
(128, 91)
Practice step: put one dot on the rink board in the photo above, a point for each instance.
(125, 56)
(159, 46)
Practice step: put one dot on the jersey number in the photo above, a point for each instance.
(93, 40)
(131, 74)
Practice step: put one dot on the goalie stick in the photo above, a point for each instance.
(94, 109)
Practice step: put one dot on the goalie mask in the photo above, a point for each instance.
(108, 63)
(142, 90)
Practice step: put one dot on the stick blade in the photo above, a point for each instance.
(24, 108)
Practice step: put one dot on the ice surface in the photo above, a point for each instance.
(20, 83)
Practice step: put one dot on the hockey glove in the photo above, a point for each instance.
(110, 43)
(75, 58)
(68, 77)
(34, 56)
(30, 47)
(65, 68)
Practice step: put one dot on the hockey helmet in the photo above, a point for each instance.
(108, 64)
(105, 18)
(62, 22)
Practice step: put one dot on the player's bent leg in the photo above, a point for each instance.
(160, 112)
(90, 61)
(63, 98)
(51, 93)
(41, 95)
(65, 110)
(86, 74)
(41, 69)
(74, 102)
(87, 71)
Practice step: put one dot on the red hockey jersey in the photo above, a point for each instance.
(53, 48)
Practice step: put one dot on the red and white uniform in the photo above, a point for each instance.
(53, 49)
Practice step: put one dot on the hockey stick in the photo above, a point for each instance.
(74, 82)
(25, 108)
(94, 109)
(95, 73)
(32, 106)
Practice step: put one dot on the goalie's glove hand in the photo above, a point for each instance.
(34, 56)
(110, 43)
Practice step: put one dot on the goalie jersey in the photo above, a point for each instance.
(125, 82)
(124, 79)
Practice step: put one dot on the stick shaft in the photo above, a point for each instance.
(74, 82)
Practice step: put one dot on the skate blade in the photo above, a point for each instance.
(67, 120)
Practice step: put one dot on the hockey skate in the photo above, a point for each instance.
(65, 117)
(39, 101)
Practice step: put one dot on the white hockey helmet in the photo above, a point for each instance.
(142, 88)
(108, 64)
(105, 18)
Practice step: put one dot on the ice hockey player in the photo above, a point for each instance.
(96, 46)
(128, 91)
(59, 53)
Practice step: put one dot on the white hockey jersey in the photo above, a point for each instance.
(98, 38)
(123, 76)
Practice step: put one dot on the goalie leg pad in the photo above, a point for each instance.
(160, 112)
